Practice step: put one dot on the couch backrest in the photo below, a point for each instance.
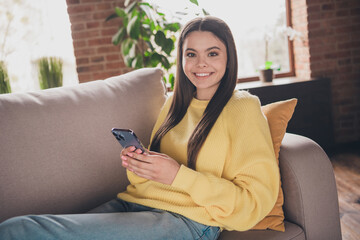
(57, 154)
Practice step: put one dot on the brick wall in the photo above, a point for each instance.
(96, 57)
(330, 48)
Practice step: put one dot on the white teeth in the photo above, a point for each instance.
(202, 74)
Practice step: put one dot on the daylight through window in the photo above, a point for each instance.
(252, 23)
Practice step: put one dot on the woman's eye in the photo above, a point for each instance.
(190, 54)
(213, 54)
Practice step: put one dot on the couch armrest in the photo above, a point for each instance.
(310, 194)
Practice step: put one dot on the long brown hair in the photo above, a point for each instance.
(184, 90)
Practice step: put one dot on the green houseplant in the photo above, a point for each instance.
(4, 79)
(146, 37)
(50, 72)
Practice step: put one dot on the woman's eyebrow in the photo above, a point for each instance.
(209, 49)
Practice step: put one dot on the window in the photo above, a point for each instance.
(30, 30)
(250, 22)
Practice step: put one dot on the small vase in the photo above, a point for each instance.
(266, 75)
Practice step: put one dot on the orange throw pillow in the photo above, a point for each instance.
(278, 115)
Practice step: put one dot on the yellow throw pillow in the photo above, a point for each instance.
(278, 115)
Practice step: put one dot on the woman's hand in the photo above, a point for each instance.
(150, 165)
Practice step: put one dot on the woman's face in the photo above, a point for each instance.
(204, 62)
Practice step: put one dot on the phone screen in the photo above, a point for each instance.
(127, 138)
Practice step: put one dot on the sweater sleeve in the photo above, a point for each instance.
(162, 115)
(247, 190)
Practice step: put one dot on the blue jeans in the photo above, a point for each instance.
(116, 219)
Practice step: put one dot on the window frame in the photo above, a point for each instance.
(291, 73)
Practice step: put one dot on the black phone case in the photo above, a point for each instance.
(127, 138)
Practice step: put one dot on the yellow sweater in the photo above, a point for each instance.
(236, 181)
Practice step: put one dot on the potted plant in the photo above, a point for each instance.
(50, 72)
(266, 71)
(146, 36)
(4, 79)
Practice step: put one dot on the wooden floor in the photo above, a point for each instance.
(346, 163)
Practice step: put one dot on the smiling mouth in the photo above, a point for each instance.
(202, 74)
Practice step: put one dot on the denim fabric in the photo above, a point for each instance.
(116, 219)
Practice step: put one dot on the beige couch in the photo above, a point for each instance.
(57, 155)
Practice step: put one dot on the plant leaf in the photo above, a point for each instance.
(119, 36)
(174, 27)
(126, 46)
(155, 59)
(165, 62)
(148, 11)
(172, 80)
(131, 7)
(206, 13)
(160, 38)
(268, 64)
(168, 46)
(120, 12)
(137, 62)
(195, 2)
(126, 3)
(133, 28)
(112, 16)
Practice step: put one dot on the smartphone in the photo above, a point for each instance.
(127, 138)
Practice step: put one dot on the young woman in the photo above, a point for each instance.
(211, 164)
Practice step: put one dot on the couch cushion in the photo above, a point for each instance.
(278, 115)
(293, 232)
(57, 153)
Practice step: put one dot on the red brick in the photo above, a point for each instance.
(342, 13)
(355, 11)
(75, 9)
(70, 2)
(82, 61)
(84, 52)
(338, 54)
(345, 61)
(97, 59)
(90, 25)
(349, 45)
(77, 27)
(104, 6)
(79, 44)
(101, 15)
(105, 75)
(90, 68)
(99, 41)
(327, 7)
(90, 1)
(108, 32)
(113, 65)
(86, 34)
(342, 4)
(313, 9)
(80, 18)
(108, 49)
(113, 57)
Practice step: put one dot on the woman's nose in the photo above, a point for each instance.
(202, 62)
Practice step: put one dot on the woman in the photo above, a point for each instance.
(211, 164)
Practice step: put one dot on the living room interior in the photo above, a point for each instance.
(326, 66)
(324, 76)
